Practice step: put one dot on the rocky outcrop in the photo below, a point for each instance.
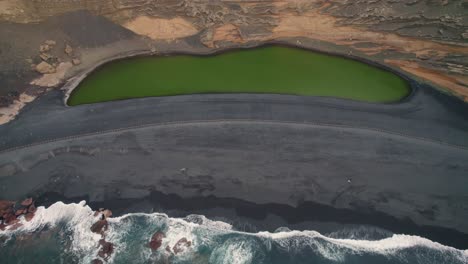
(106, 249)
(100, 227)
(45, 68)
(10, 213)
(156, 240)
(182, 245)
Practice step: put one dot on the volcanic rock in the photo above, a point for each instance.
(181, 245)
(68, 50)
(4, 205)
(50, 42)
(20, 212)
(44, 48)
(45, 68)
(99, 226)
(9, 218)
(156, 240)
(107, 213)
(32, 208)
(27, 202)
(106, 249)
(45, 56)
(6, 208)
(29, 216)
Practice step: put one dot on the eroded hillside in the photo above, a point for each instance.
(425, 38)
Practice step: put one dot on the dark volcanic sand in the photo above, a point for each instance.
(406, 161)
(21, 42)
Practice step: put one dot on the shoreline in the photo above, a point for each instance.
(390, 182)
(73, 82)
(269, 217)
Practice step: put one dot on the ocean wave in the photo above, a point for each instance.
(208, 241)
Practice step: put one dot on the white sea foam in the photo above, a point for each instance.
(337, 248)
(201, 231)
(78, 218)
(233, 252)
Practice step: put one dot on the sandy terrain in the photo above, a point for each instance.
(53, 79)
(158, 28)
(9, 113)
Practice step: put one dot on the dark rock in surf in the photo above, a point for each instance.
(32, 209)
(27, 202)
(181, 245)
(29, 216)
(107, 248)
(107, 213)
(156, 240)
(9, 218)
(99, 227)
(20, 212)
(5, 207)
(168, 249)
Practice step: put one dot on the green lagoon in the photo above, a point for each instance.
(273, 69)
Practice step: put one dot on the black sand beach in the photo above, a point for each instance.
(401, 166)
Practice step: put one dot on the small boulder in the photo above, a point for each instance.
(5, 204)
(29, 216)
(107, 248)
(181, 245)
(156, 240)
(99, 226)
(96, 261)
(107, 213)
(76, 61)
(9, 218)
(68, 50)
(168, 249)
(45, 56)
(45, 68)
(20, 212)
(27, 202)
(44, 48)
(32, 209)
(50, 42)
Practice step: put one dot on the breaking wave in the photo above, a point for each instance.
(62, 233)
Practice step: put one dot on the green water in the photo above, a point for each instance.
(278, 70)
